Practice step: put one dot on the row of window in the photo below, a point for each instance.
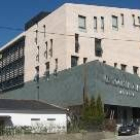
(124, 67)
(47, 71)
(48, 50)
(82, 22)
(98, 47)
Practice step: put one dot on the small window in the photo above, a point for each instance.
(56, 66)
(51, 119)
(84, 60)
(95, 23)
(36, 37)
(98, 48)
(47, 72)
(115, 22)
(115, 65)
(44, 26)
(37, 56)
(122, 19)
(102, 23)
(36, 78)
(46, 50)
(51, 47)
(139, 19)
(133, 18)
(82, 22)
(35, 119)
(135, 70)
(104, 62)
(77, 46)
(123, 67)
(74, 61)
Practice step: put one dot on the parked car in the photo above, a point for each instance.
(130, 129)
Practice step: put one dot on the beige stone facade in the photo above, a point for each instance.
(52, 39)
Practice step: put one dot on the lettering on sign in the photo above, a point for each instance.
(123, 84)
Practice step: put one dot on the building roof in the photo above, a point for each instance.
(33, 105)
(36, 19)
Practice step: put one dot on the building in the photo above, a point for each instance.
(54, 43)
(119, 91)
(107, 34)
(31, 113)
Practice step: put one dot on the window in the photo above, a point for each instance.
(133, 18)
(36, 78)
(47, 72)
(84, 60)
(44, 26)
(102, 23)
(46, 50)
(115, 22)
(74, 61)
(82, 22)
(115, 65)
(123, 67)
(77, 46)
(51, 119)
(95, 23)
(139, 19)
(104, 62)
(98, 48)
(135, 70)
(36, 37)
(37, 56)
(56, 66)
(35, 121)
(51, 47)
(122, 19)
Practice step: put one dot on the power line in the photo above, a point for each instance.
(10, 28)
(20, 29)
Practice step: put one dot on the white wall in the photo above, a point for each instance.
(24, 119)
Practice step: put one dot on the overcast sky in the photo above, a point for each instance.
(15, 13)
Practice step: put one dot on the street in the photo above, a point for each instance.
(133, 137)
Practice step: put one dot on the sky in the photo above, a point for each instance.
(15, 13)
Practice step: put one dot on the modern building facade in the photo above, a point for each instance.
(72, 35)
(53, 43)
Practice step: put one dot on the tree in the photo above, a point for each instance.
(100, 110)
(93, 113)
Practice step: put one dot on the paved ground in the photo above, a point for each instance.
(133, 137)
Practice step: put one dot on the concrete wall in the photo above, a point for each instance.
(55, 23)
(119, 46)
(66, 88)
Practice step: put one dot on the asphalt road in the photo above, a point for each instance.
(133, 137)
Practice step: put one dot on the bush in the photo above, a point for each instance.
(110, 125)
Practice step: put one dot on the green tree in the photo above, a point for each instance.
(100, 110)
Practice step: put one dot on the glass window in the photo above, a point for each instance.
(82, 22)
(102, 23)
(95, 23)
(115, 22)
(133, 17)
(122, 19)
(123, 67)
(135, 70)
(74, 61)
(98, 48)
(139, 19)
(77, 45)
